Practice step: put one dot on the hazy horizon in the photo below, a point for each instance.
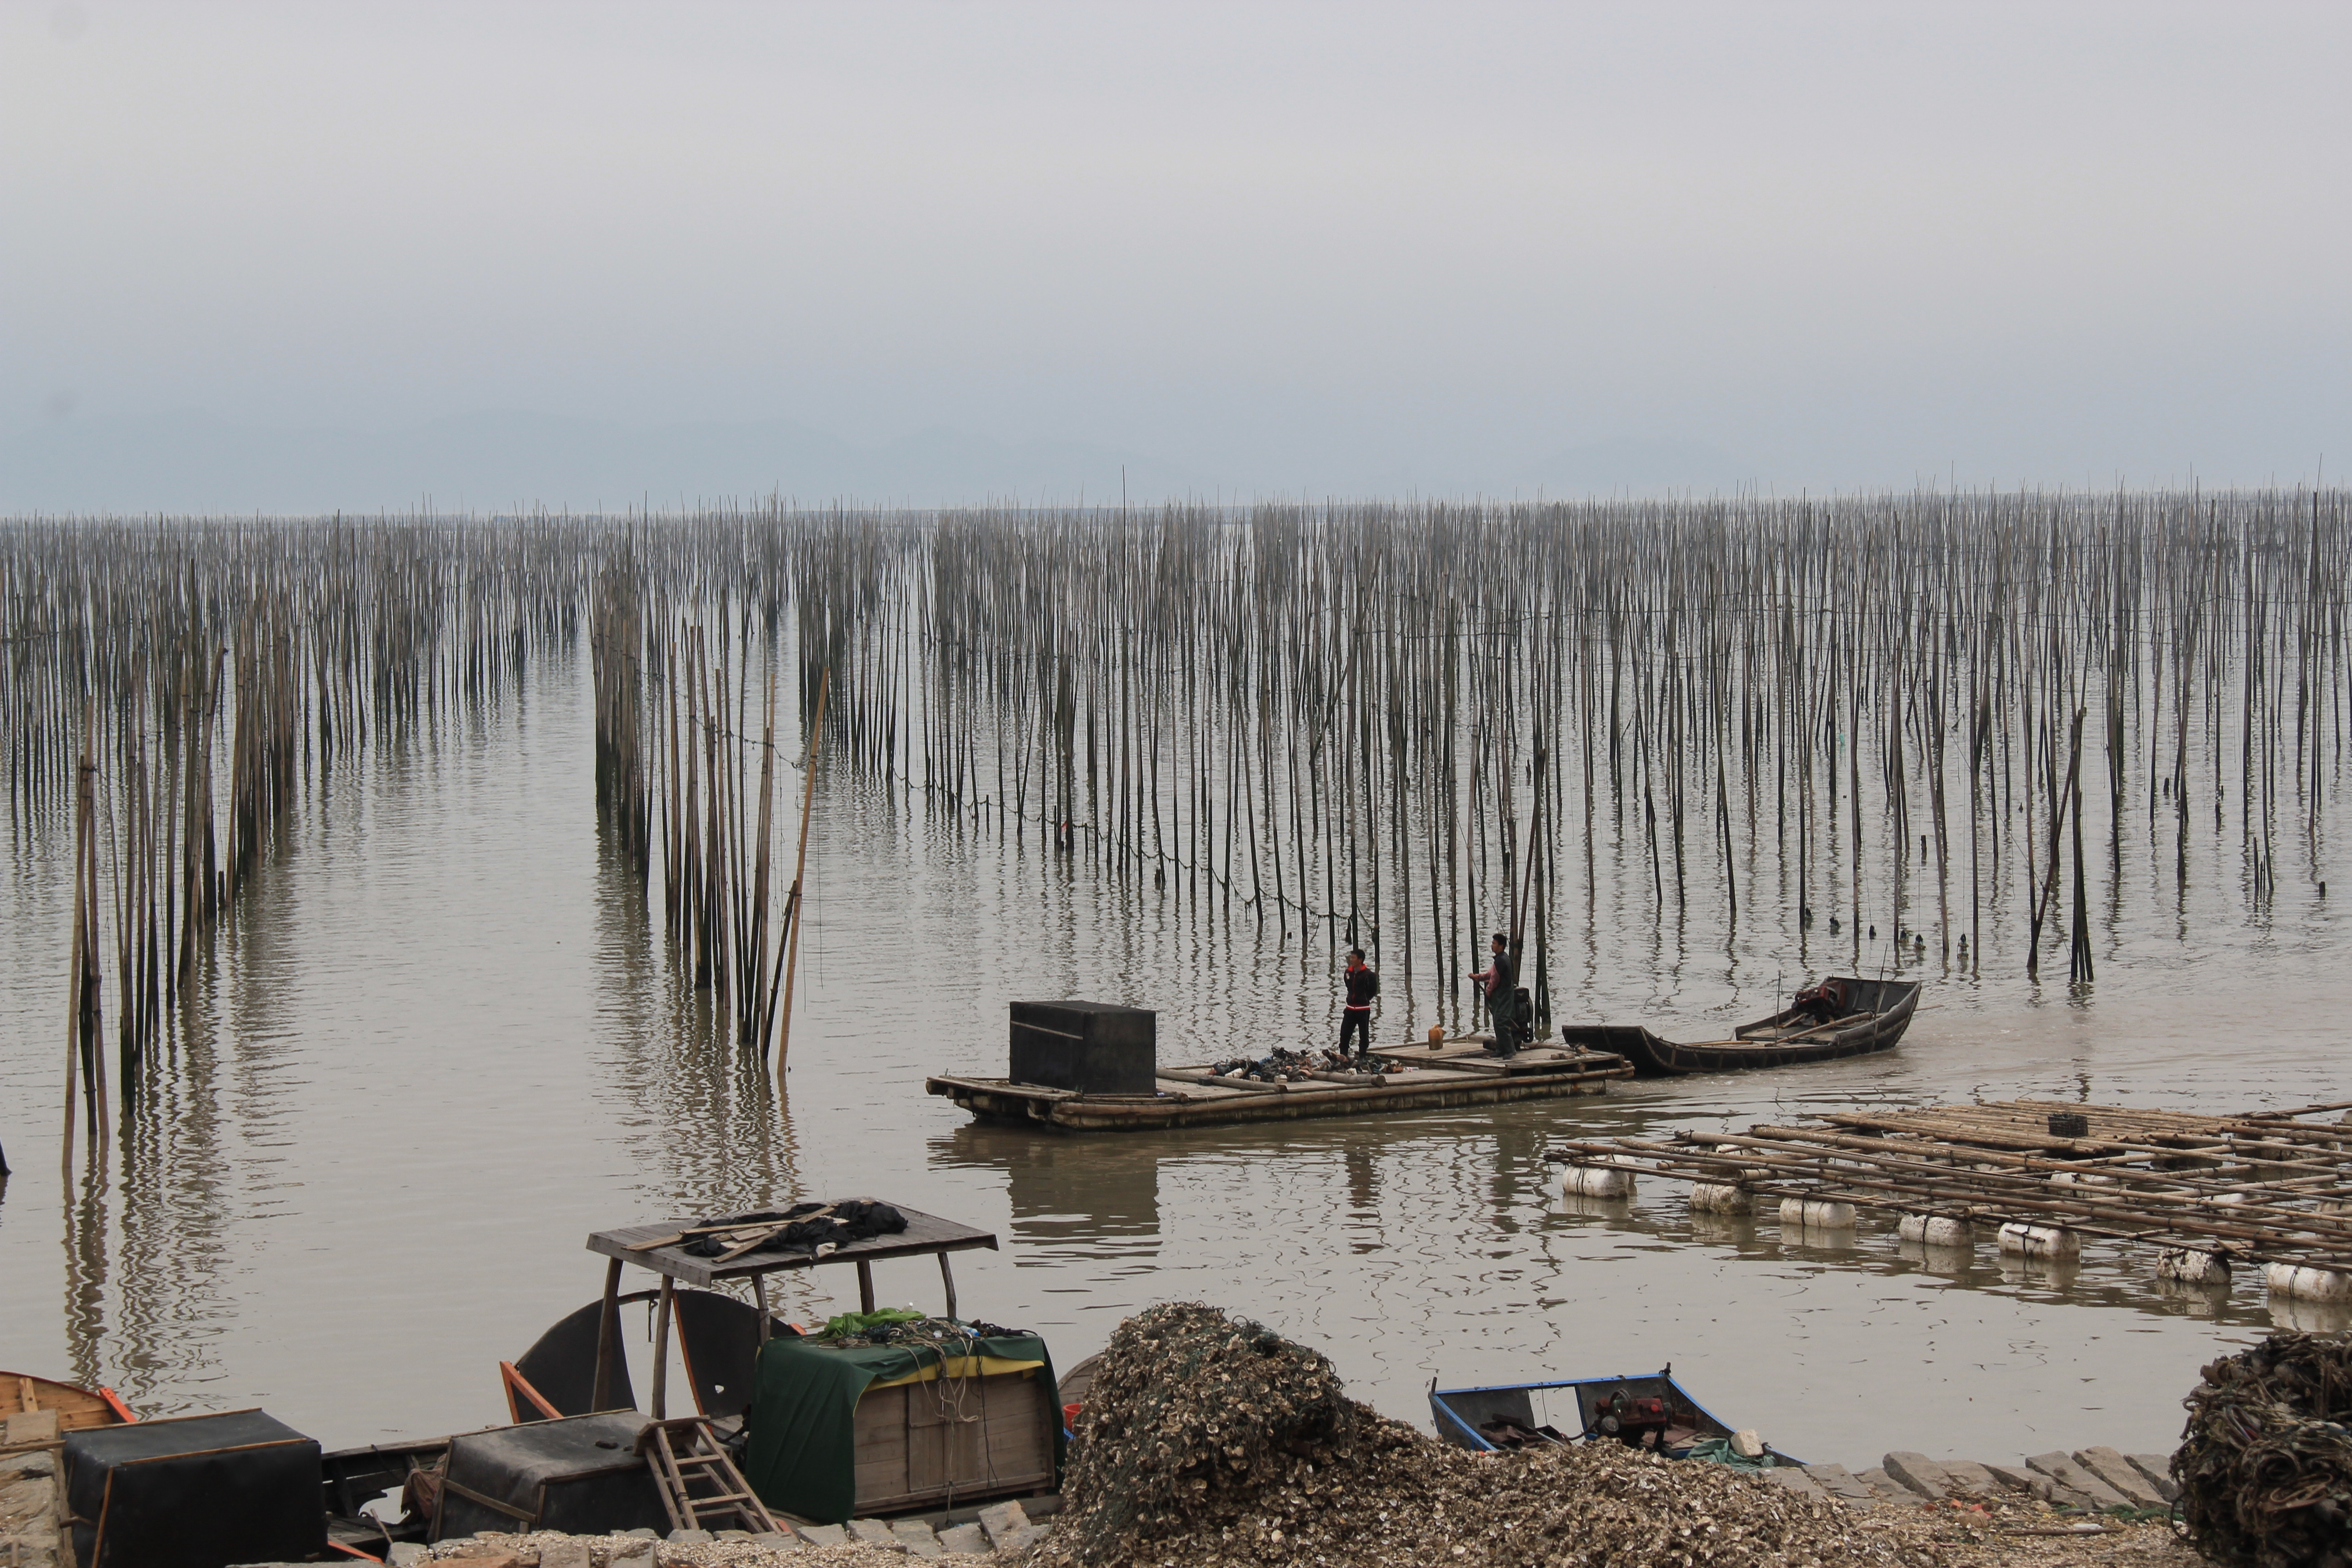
(289, 259)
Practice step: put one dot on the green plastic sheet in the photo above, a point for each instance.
(1719, 1451)
(802, 1457)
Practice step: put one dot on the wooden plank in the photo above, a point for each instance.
(925, 1235)
(967, 1438)
(879, 1449)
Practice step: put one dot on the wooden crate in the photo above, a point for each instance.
(919, 1444)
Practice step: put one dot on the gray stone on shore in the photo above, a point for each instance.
(1887, 1488)
(1967, 1475)
(28, 1495)
(779, 1540)
(916, 1537)
(572, 1553)
(969, 1539)
(1795, 1480)
(2015, 1478)
(407, 1554)
(1841, 1484)
(2114, 1468)
(644, 1559)
(874, 1532)
(1026, 1536)
(2062, 1470)
(2057, 1494)
(2157, 1469)
(1001, 1520)
(1919, 1473)
(823, 1534)
(683, 1537)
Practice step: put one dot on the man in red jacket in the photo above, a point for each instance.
(1356, 1018)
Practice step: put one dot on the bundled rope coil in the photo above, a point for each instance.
(2266, 1469)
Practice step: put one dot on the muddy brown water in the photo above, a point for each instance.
(442, 1044)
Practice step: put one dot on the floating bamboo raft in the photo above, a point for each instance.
(1461, 1071)
(2266, 1186)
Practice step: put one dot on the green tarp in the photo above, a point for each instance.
(802, 1457)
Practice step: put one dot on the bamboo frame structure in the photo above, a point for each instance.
(1377, 724)
(2271, 1187)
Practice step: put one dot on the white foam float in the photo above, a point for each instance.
(2041, 1241)
(2188, 1266)
(1935, 1230)
(1723, 1197)
(2308, 1284)
(1713, 1197)
(1813, 1214)
(1609, 1177)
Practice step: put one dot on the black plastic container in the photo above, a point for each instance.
(581, 1475)
(1094, 1047)
(193, 1492)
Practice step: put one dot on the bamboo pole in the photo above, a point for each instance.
(793, 904)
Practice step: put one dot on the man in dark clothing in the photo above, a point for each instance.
(1356, 1018)
(1501, 980)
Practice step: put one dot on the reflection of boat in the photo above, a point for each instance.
(77, 1408)
(1842, 1016)
(1645, 1410)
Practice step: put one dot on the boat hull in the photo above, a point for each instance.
(1571, 1407)
(77, 1408)
(1882, 1011)
(1183, 1105)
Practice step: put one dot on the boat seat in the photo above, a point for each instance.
(557, 1375)
(718, 1336)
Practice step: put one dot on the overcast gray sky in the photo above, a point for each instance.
(1266, 247)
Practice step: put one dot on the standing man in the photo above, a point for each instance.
(1501, 978)
(1356, 1018)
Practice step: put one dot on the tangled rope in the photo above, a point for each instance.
(2265, 1471)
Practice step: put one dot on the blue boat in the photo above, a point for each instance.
(1640, 1410)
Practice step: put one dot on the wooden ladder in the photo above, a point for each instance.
(684, 1454)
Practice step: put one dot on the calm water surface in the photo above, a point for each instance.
(443, 1044)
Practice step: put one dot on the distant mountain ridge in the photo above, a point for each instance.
(195, 463)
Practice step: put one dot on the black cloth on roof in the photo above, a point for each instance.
(809, 1227)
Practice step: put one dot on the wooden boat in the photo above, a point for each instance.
(1456, 1072)
(77, 1408)
(1079, 1382)
(351, 1479)
(1642, 1409)
(1842, 1016)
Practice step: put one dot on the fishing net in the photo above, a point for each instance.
(2265, 1471)
(1191, 1411)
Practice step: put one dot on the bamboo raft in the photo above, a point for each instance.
(2272, 1187)
(1459, 1072)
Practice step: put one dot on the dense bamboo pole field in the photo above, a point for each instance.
(1891, 728)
